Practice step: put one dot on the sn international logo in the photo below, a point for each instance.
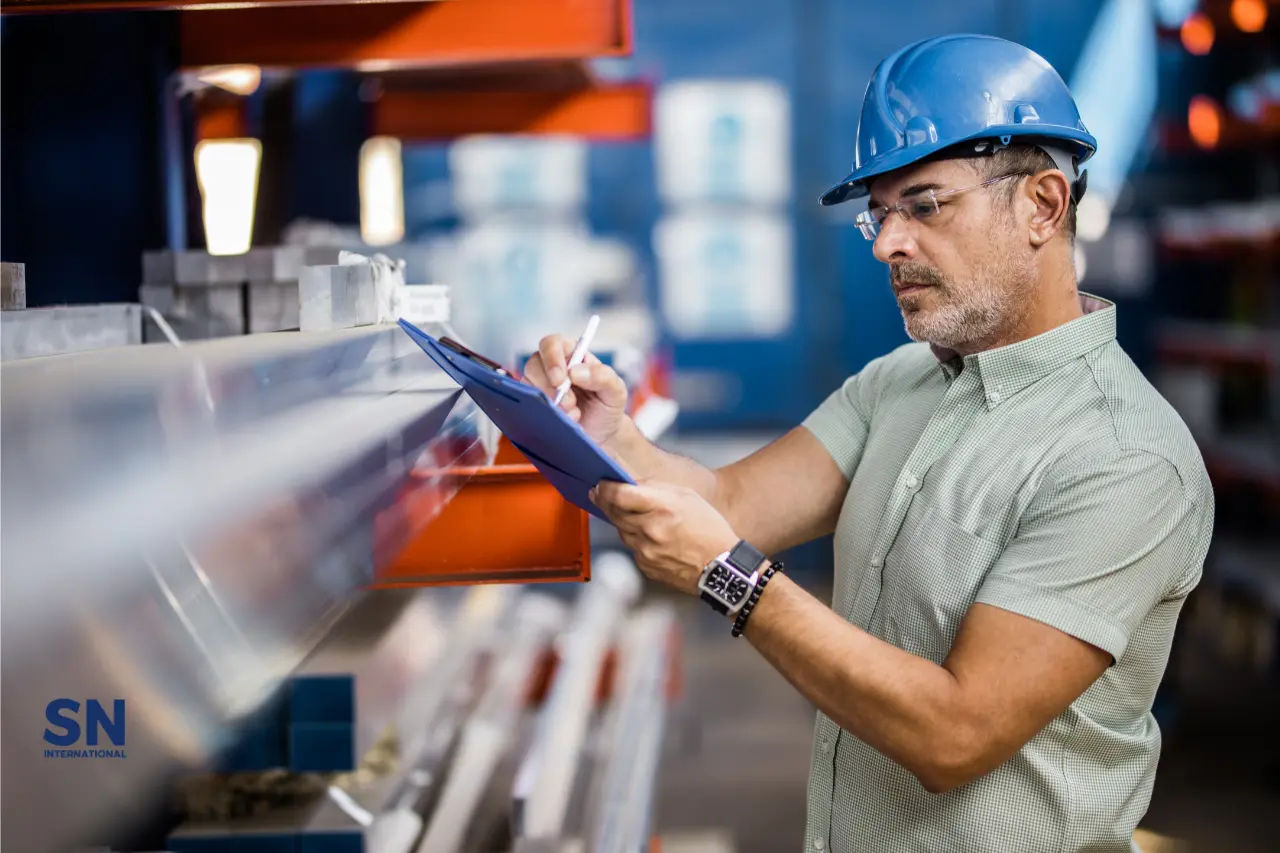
(64, 729)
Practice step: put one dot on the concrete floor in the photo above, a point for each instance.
(737, 755)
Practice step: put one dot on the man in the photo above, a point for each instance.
(1018, 515)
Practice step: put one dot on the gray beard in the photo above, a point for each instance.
(976, 316)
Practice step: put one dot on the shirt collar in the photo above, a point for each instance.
(1006, 370)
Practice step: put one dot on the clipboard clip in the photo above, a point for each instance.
(474, 356)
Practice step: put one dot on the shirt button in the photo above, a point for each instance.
(911, 482)
(875, 561)
(993, 397)
(819, 844)
(826, 745)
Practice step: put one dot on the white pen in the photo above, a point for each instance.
(579, 353)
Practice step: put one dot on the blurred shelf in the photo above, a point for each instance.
(1235, 135)
(1226, 229)
(1251, 566)
(379, 37)
(595, 111)
(1252, 459)
(1217, 344)
(1227, 35)
(1223, 248)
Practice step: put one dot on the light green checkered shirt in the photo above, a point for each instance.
(1047, 478)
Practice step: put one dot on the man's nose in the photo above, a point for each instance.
(896, 241)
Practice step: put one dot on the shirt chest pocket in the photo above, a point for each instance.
(932, 575)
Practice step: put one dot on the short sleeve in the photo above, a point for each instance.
(1098, 547)
(841, 423)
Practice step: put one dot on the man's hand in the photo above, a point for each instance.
(673, 532)
(598, 397)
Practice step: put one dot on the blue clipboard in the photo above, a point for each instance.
(549, 438)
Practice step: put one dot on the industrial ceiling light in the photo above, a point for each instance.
(227, 171)
(1249, 15)
(1197, 34)
(239, 79)
(1204, 121)
(381, 191)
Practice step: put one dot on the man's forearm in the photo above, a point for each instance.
(905, 706)
(647, 461)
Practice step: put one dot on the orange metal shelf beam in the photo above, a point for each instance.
(497, 523)
(35, 7)
(506, 524)
(221, 118)
(382, 36)
(608, 112)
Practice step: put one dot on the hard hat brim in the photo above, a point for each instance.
(855, 184)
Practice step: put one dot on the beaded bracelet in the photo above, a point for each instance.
(740, 624)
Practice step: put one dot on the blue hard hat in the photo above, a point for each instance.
(949, 91)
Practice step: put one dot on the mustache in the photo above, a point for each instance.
(905, 273)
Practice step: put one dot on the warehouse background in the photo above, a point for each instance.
(760, 301)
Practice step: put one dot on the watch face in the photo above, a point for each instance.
(728, 585)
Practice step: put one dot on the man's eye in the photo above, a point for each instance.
(923, 209)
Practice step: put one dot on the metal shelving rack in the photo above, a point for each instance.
(196, 528)
(1217, 343)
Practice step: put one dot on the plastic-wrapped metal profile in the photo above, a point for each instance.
(429, 721)
(546, 779)
(488, 733)
(619, 815)
(184, 524)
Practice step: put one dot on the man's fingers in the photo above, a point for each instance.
(555, 351)
(534, 373)
(603, 381)
(628, 527)
(623, 497)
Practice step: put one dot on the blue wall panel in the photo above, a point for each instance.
(330, 124)
(726, 39)
(80, 156)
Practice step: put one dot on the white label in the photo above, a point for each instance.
(723, 141)
(725, 275)
(495, 173)
(426, 303)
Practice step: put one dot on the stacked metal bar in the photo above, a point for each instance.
(549, 774)
(203, 296)
(620, 814)
(478, 762)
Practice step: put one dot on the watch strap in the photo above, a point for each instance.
(746, 557)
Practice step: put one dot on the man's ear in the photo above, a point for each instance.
(1050, 194)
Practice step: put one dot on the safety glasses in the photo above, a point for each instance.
(920, 207)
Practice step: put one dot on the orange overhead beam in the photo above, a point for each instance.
(381, 36)
(221, 119)
(611, 112)
(43, 6)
